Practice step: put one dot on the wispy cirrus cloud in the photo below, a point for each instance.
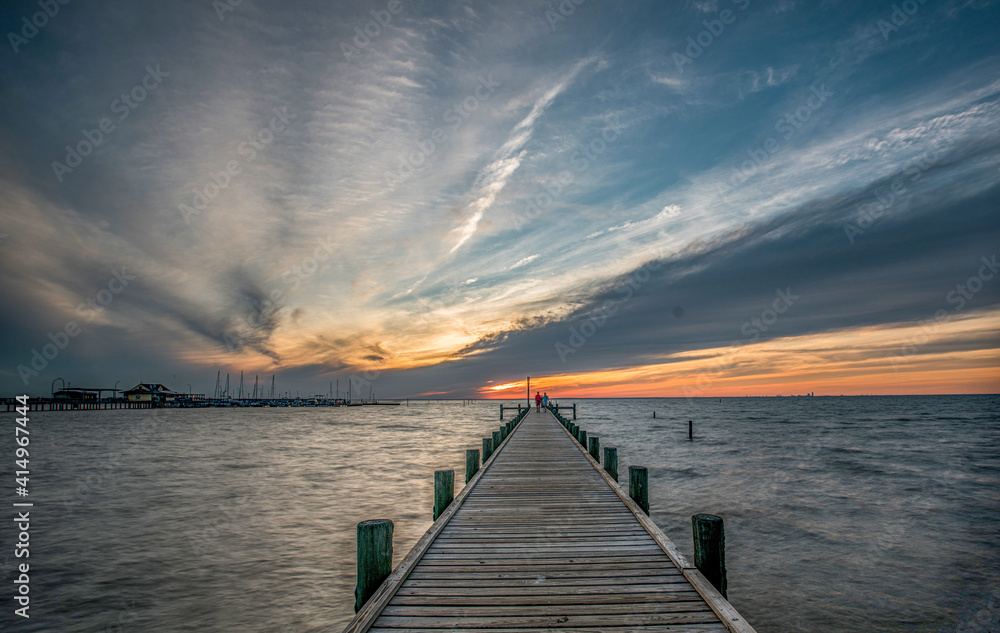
(493, 178)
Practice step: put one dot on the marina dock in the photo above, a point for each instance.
(542, 537)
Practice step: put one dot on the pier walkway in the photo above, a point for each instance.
(542, 538)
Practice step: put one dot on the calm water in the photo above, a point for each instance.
(842, 514)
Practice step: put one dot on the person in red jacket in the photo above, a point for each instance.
(538, 401)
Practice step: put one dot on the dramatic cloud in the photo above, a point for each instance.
(468, 193)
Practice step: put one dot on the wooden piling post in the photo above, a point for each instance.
(654, 415)
(574, 410)
(444, 490)
(496, 440)
(595, 448)
(487, 448)
(501, 412)
(638, 486)
(471, 463)
(583, 438)
(690, 429)
(709, 533)
(374, 558)
(611, 461)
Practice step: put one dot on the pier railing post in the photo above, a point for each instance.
(595, 448)
(583, 438)
(496, 441)
(444, 490)
(487, 448)
(638, 486)
(374, 558)
(611, 461)
(710, 549)
(471, 463)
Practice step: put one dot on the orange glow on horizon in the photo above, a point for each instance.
(882, 360)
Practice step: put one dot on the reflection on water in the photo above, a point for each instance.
(842, 514)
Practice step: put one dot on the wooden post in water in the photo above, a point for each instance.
(574, 410)
(374, 558)
(496, 441)
(638, 486)
(595, 448)
(583, 438)
(501, 412)
(471, 463)
(654, 415)
(690, 429)
(611, 461)
(710, 549)
(487, 448)
(444, 490)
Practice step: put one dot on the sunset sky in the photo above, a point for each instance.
(707, 198)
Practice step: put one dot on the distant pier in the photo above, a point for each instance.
(57, 404)
(62, 404)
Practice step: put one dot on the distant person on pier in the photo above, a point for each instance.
(545, 400)
(538, 401)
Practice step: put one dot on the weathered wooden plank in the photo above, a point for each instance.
(529, 590)
(670, 628)
(582, 571)
(487, 547)
(554, 621)
(445, 611)
(510, 567)
(545, 580)
(553, 599)
(465, 559)
(595, 556)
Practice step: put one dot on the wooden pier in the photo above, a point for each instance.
(54, 404)
(542, 537)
